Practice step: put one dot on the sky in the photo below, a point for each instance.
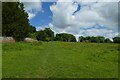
(77, 17)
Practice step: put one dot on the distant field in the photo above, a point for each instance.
(60, 59)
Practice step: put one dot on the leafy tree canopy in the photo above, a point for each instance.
(15, 21)
(65, 37)
(45, 35)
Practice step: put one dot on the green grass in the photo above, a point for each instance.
(0, 60)
(60, 60)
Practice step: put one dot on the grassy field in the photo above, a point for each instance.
(60, 60)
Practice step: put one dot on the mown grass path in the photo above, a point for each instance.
(60, 59)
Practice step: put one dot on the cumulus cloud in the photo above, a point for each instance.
(99, 13)
(62, 14)
(99, 32)
(32, 7)
(91, 13)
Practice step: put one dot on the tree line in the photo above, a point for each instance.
(48, 35)
(15, 24)
(97, 39)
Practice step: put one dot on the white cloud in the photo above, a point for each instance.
(99, 32)
(105, 14)
(30, 15)
(90, 14)
(32, 7)
(62, 14)
(41, 28)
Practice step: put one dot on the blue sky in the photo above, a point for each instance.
(77, 18)
(44, 17)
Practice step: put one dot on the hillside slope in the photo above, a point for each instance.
(60, 59)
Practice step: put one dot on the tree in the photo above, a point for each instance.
(107, 40)
(45, 35)
(32, 29)
(116, 39)
(50, 34)
(97, 39)
(88, 38)
(101, 39)
(15, 21)
(65, 37)
(33, 35)
(93, 39)
(81, 39)
(41, 36)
